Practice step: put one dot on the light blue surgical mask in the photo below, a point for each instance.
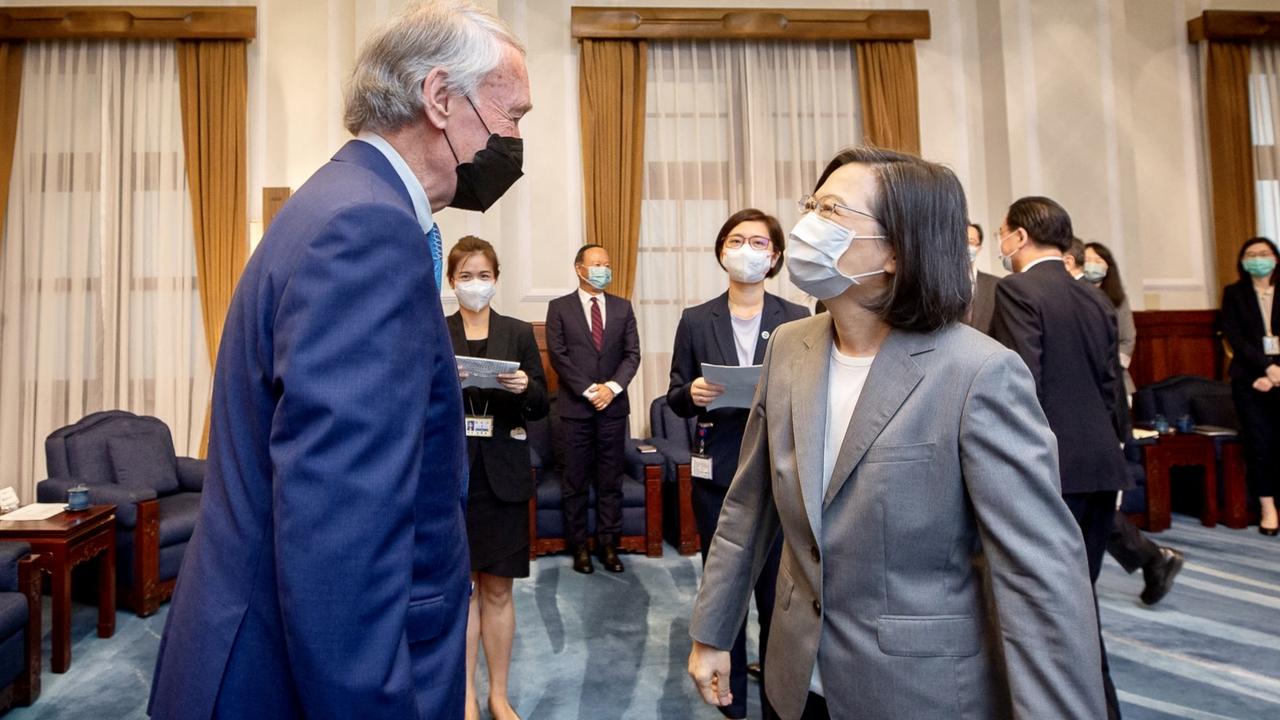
(1259, 266)
(599, 277)
(973, 254)
(1094, 272)
(817, 245)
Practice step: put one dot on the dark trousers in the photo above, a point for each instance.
(815, 708)
(1129, 546)
(1095, 513)
(707, 500)
(1259, 415)
(593, 458)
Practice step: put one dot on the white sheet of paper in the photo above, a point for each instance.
(35, 511)
(739, 383)
(483, 372)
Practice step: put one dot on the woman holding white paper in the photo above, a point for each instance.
(499, 490)
(731, 329)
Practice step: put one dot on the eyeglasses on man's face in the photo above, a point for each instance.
(827, 206)
(757, 242)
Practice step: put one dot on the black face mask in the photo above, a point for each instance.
(490, 173)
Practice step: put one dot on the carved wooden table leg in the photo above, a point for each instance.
(60, 587)
(107, 588)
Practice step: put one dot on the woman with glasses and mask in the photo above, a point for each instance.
(500, 486)
(1251, 322)
(929, 565)
(731, 329)
(1101, 272)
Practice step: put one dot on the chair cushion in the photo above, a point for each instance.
(13, 613)
(88, 459)
(143, 459)
(1216, 409)
(13, 651)
(178, 514)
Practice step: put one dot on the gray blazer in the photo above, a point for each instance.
(950, 579)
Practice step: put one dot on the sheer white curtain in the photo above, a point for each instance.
(730, 125)
(1264, 110)
(99, 306)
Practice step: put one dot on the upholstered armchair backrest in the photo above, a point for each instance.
(81, 451)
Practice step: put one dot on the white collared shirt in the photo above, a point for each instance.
(1036, 262)
(417, 194)
(585, 297)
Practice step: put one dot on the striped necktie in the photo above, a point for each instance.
(597, 326)
(437, 253)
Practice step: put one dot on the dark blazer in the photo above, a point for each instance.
(705, 334)
(506, 459)
(1066, 333)
(578, 364)
(1242, 324)
(984, 302)
(328, 572)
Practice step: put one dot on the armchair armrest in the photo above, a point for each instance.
(634, 462)
(124, 497)
(191, 474)
(675, 452)
(10, 554)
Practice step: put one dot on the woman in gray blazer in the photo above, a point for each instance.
(930, 568)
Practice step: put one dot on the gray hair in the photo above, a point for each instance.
(384, 91)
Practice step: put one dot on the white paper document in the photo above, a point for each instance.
(35, 511)
(483, 372)
(739, 383)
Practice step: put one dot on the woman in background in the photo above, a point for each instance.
(1250, 320)
(1100, 271)
(500, 485)
(731, 329)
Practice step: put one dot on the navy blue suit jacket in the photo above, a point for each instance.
(577, 362)
(1065, 331)
(705, 334)
(328, 573)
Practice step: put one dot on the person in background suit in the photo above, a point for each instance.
(327, 575)
(732, 329)
(1133, 550)
(498, 454)
(984, 285)
(1073, 258)
(929, 566)
(1065, 332)
(594, 347)
(1251, 321)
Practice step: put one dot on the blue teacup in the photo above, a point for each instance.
(1186, 424)
(78, 497)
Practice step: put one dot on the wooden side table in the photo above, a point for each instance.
(64, 541)
(1158, 461)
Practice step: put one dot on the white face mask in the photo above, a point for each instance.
(1006, 261)
(817, 245)
(973, 254)
(746, 264)
(474, 295)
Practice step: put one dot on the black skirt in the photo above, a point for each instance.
(497, 531)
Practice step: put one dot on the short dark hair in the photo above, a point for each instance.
(1075, 249)
(577, 259)
(981, 237)
(1111, 285)
(921, 206)
(1046, 222)
(1246, 277)
(776, 236)
(467, 245)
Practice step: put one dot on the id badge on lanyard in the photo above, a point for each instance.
(700, 461)
(478, 425)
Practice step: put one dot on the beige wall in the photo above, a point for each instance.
(1092, 102)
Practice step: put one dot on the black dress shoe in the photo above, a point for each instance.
(609, 558)
(1269, 532)
(582, 561)
(1158, 576)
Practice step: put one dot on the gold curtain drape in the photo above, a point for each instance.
(10, 98)
(611, 92)
(213, 77)
(887, 86)
(1226, 104)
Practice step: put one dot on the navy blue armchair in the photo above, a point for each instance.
(641, 495)
(19, 625)
(673, 436)
(128, 461)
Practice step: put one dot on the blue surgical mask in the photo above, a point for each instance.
(973, 254)
(1259, 266)
(816, 247)
(1094, 272)
(599, 277)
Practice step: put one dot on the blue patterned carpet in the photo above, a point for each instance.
(604, 646)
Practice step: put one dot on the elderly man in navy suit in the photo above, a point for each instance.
(594, 347)
(328, 574)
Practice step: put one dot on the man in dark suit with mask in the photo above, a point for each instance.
(1066, 333)
(594, 347)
